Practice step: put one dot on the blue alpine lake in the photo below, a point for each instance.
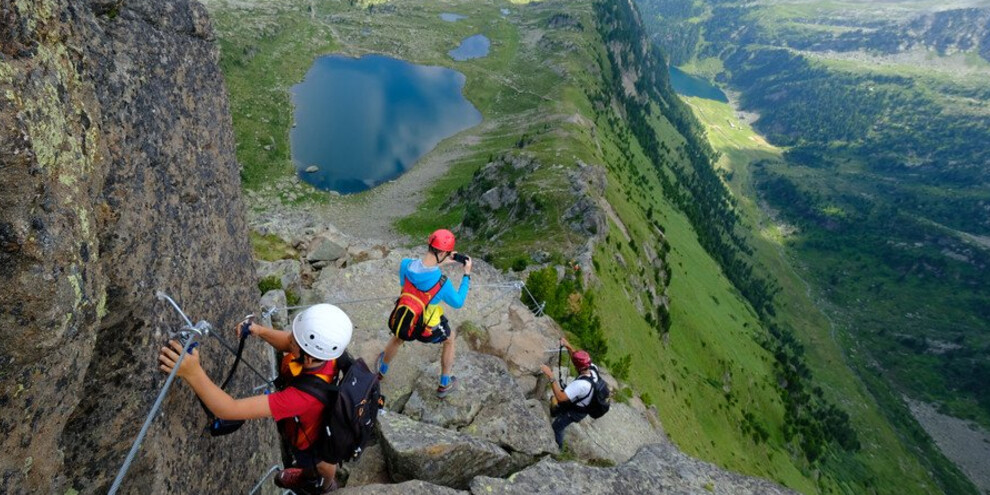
(451, 17)
(360, 122)
(471, 47)
(689, 85)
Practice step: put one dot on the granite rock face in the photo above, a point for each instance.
(119, 179)
(615, 436)
(413, 487)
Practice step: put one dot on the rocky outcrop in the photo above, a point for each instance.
(654, 469)
(616, 436)
(497, 197)
(491, 406)
(417, 450)
(119, 179)
(414, 487)
(286, 271)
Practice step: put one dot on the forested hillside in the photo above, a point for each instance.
(884, 186)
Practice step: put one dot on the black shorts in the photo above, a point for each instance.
(309, 458)
(438, 334)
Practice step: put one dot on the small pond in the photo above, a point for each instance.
(360, 122)
(451, 17)
(690, 85)
(471, 47)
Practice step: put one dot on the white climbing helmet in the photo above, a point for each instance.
(322, 331)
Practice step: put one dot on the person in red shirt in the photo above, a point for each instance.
(318, 338)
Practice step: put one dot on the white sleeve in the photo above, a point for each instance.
(577, 390)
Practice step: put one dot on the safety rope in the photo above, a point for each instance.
(517, 285)
(270, 382)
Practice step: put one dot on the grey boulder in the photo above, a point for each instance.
(416, 450)
(488, 403)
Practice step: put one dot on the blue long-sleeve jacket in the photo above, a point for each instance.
(424, 278)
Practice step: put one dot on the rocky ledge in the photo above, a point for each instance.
(493, 434)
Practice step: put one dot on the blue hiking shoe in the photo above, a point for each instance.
(443, 391)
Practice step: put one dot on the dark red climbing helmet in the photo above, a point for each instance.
(581, 360)
(442, 239)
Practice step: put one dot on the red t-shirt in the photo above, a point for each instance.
(291, 402)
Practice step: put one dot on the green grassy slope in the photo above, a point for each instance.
(883, 186)
(874, 408)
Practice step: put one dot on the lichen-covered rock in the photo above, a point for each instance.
(119, 179)
(363, 252)
(520, 339)
(326, 248)
(370, 469)
(416, 450)
(656, 469)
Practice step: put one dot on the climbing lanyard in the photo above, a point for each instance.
(218, 427)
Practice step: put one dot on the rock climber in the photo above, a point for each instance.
(422, 280)
(315, 344)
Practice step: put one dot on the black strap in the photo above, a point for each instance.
(219, 427)
(443, 279)
(237, 360)
(314, 386)
(591, 381)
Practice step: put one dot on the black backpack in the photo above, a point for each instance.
(349, 413)
(600, 402)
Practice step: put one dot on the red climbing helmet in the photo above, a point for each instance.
(581, 360)
(442, 239)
